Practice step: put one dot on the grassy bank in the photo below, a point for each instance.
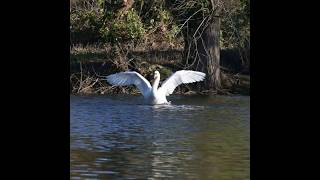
(87, 63)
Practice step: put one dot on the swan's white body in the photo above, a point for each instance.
(153, 94)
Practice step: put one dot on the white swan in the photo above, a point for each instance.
(155, 95)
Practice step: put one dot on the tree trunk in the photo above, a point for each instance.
(209, 53)
(207, 59)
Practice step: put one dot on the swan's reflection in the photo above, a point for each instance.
(171, 107)
(163, 161)
(169, 145)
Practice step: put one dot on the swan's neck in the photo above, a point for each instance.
(156, 84)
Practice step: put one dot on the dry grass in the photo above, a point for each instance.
(89, 60)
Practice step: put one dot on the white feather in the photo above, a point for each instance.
(130, 78)
(180, 77)
(155, 95)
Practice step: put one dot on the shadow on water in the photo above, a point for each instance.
(193, 138)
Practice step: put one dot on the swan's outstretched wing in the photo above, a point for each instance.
(130, 78)
(180, 77)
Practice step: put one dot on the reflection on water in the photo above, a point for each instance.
(193, 138)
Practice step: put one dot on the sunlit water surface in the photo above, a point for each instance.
(197, 137)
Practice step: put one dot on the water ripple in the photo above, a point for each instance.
(193, 138)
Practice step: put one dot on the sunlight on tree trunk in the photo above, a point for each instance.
(202, 44)
(209, 53)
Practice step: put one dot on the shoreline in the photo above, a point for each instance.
(88, 63)
(94, 85)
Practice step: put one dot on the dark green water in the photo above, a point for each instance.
(199, 137)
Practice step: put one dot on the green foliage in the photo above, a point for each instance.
(90, 22)
(85, 25)
(101, 3)
(172, 33)
(129, 28)
(163, 16)
(235, 26)
(165, 72)
(134, 25)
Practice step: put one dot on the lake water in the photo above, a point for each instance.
(196, 137)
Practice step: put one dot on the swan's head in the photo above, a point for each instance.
(156, 75)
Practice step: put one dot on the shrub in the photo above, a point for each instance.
(84, 26)
(127, 28)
